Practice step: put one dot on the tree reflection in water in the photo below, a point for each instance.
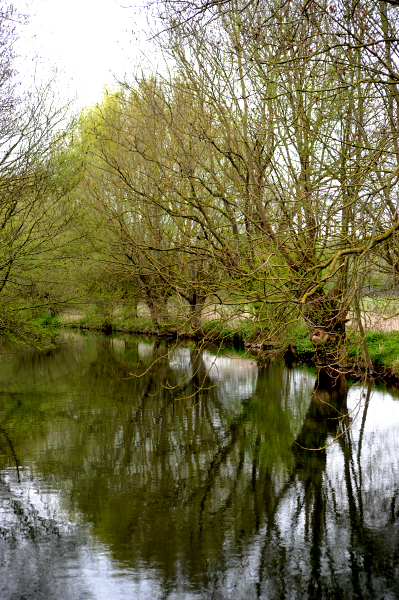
(198, 468)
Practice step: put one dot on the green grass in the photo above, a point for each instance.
(135, 324)
(383, 349)
(301, 340)
(231, 331)
(47, 321)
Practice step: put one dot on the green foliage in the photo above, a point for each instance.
(49, 321)
(23, 325)
(301, 340)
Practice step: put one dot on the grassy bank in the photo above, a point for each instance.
(383, 347)
(243, 332)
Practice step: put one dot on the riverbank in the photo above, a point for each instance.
(295, 345)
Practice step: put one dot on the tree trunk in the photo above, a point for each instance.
(326, 318)
(196, 306)
(157, 306)
(155, 317)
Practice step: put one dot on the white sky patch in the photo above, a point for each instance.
(88, 42)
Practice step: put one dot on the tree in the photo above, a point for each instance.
(36, 174)
(138, 177)
(305, 98)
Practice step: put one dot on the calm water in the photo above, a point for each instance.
(129, 473)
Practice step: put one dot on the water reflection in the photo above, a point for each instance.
(235, 377)
(190, 479)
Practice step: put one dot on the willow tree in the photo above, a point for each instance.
(304, 94)
(141, 177)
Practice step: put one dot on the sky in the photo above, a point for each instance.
(88, 42)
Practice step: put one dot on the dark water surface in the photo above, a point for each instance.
(114, 486)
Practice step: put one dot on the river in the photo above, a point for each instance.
(131, 468)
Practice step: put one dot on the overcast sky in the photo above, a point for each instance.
(86, 40)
